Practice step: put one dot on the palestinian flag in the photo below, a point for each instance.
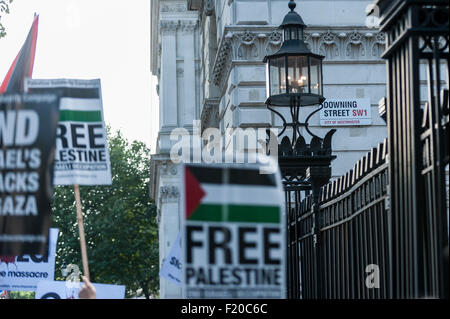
(228, 194)
(82, 157)
(80, 99)
(22, 66)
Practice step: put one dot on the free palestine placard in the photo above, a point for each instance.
(233, 232)
(82, 155)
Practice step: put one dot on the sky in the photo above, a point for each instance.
(90, 39)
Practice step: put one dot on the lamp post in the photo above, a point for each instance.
(295, 80)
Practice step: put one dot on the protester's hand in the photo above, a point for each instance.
(87, 291)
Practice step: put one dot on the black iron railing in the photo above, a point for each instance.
(417, 53)
(352, 242)
(381, 230)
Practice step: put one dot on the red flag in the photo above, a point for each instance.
(194, 193)
(22, 67)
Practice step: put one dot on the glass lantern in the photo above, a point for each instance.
(294, 71)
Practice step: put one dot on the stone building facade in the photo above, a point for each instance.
(207, 56)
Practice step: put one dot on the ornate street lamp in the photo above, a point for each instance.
(294, 73)
(294, 80)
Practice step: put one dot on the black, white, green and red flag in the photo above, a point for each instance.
(22, 66)
(233, 234)
(82, 155)
(231, 195)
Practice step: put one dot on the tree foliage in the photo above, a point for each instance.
(119, 222)
(21, 295)
(4, 9)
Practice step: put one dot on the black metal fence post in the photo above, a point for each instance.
(318, 176)
(417, 49)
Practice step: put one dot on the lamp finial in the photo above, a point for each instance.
(292, 5)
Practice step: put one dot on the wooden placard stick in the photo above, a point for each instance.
(84, 256)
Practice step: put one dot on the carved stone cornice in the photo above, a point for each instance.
(347, 45)
(343, 44)
(160, 166)
(172, 6)
(188, 25)
(210, 114)
(168, 168)
(168, 26)
(168, 194)
(223, 60)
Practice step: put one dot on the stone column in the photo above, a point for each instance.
(168, 82)
(188, 28)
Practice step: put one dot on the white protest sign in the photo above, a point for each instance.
(233, 232)
(23, 273)
(346, 112)
(171, 269)
(61, 290)
(82, 155)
